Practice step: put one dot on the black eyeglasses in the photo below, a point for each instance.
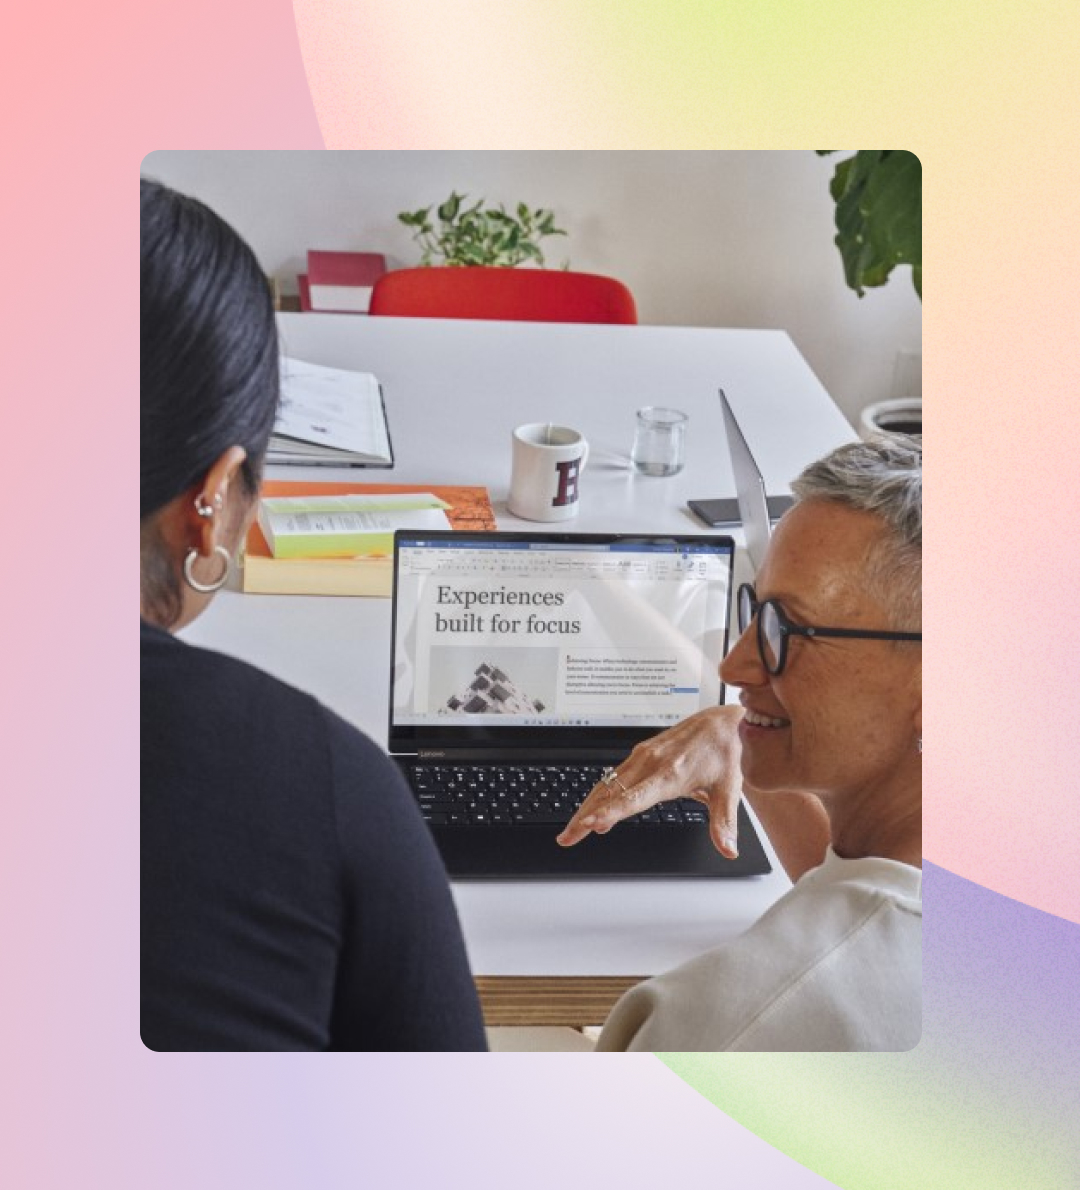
(774, 629)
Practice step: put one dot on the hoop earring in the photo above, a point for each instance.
(193, 582)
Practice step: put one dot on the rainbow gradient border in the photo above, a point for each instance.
(983, 93)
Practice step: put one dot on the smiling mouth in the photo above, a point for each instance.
(757, 720)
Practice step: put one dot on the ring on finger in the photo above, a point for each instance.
(610, 776)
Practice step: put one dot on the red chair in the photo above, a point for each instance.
(520, 295)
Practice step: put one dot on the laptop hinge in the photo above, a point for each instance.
(559, 755)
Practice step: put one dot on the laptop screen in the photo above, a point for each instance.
(515, 635)
(749, 487)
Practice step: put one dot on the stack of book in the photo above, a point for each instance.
(337, 538)
(340, 282)
(330, 416)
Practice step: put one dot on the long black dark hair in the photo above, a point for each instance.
(209, 366)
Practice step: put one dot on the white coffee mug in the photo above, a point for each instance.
(547, 464)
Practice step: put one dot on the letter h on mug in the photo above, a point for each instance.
(547, 464)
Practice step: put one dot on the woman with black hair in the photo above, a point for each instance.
(274, 914)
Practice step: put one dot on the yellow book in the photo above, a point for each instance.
(317, 576)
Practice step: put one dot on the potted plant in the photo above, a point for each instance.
(480, 235)
(878, 195)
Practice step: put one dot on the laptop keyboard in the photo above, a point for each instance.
(511, 795)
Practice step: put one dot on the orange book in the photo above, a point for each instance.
(263, 574)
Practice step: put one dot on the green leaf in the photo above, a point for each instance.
(878, 195)
(414, 218)
(449, 209)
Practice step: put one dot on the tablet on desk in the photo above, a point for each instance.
(724, 513)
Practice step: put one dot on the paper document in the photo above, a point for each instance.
(332, 410)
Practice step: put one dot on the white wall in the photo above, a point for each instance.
(701, 238)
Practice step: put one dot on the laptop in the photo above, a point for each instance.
(523, 663)
(757, 510)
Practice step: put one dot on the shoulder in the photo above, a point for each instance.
(842, 895)
(227, 716)
(181, 682)
(181, 668)
(834, 964)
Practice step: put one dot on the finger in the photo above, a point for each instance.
(724, 826)
(605, 806)
(723, 823)
(576, 829)
(584, 819)
(624, 799)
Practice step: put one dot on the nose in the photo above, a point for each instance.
(742, 666)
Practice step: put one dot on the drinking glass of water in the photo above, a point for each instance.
(660, 441)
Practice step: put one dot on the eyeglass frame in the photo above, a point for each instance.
(788, 628)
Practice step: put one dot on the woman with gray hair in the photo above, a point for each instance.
(828, 740)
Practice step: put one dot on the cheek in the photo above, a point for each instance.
(850, 734)
(848, 721)
(828, 714)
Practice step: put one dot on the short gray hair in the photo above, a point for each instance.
(882, 476)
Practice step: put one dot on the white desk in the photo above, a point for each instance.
(454, 391)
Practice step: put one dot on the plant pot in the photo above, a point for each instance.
(902, 416)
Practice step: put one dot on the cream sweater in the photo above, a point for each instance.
(835, 964)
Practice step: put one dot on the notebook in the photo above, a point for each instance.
(523, 663)
(757, 510)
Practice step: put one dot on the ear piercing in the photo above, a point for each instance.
(206, 588)
(206, 509)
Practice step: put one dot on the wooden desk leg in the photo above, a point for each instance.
(542, 1000)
